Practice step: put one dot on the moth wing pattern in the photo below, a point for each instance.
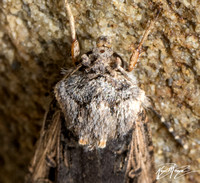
(127, 159)
(124, 160)
(140, 165)
(45, 156)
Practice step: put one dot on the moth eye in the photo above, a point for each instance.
(102, 51)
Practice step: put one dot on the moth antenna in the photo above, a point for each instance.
(75, 49)
(136, 52)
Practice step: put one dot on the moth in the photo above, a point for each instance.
(96, 129)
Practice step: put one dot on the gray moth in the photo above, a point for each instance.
(96, 129)
(101, 100)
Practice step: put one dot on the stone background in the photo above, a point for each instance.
(35, 44)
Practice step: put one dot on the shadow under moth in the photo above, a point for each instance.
(96, 129)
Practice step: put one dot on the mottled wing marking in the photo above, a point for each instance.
(45, 154)
(140, 165)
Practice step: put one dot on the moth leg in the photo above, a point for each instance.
(136, 52)
(75, 49)
(179, 139)
(111, 71)
(118, 63)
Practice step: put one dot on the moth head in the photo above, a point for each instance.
(104, 41)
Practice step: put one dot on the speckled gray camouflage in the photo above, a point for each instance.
(101, 100)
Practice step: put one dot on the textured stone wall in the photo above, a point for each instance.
(35, 45)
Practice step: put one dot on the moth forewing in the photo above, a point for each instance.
(45, 154)
(140, 165)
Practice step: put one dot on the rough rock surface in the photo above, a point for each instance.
(35, 45)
